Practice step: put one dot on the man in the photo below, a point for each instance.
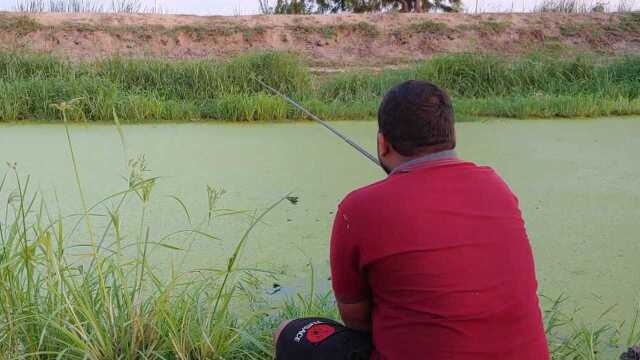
(432, 262)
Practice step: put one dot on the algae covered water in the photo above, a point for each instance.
(577, 180)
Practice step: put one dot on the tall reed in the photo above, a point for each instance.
(109, 305)
(158, 90)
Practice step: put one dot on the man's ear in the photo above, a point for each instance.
(383, 145)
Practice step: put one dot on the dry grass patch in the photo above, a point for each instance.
(630, 22)
(362, 28)
(21, 25)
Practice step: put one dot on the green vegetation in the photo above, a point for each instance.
(362, 28)
(114, 304)
(496, 27)
(429, 26)
(486, 27)
(573, 29)
(141, 90)
(156, 90)
(106, 298)
(21, 25)
(563, 6)
(301, 7)
(630, 22)
(199, 32)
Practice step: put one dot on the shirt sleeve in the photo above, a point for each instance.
(349, 281)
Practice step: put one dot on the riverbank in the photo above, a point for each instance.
(534, 86)
(335, 41)
(150, 277)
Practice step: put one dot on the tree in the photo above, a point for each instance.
(265, 7)
(420, 6)
(294, 7)
(358, 6)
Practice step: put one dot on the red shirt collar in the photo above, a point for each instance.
(427, 160)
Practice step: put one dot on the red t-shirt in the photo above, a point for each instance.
(442, 251)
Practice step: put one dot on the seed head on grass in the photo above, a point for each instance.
(213, 197)
(64, 106)
(138, 181)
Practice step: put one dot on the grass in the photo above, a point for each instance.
(580, 7)
(203, 32)
(83, 6)
(110, 306)
(25, 24)
(487, 27)
(156, 90)
(630, 22)
(573, 29)
(429, 26)
(563, 6)
(596, 33)
(37, 6)
(21, 25)
(362, 28)
(495, 27)
(108, 299)
(573, 339)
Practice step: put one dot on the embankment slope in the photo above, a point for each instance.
(327, 41)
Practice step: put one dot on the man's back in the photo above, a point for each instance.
(441, 249)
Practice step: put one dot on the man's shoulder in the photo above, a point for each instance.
(365, 194)
(447, 172)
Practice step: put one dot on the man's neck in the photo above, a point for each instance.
(424, 158)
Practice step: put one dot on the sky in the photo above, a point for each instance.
(249, 7)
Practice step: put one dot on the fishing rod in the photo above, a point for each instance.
(360, 149)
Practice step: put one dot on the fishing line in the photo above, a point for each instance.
(359, 148)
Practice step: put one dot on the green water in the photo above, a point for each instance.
(578, 182)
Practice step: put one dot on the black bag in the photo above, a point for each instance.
(632, 354)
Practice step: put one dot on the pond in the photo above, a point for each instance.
(577, 180)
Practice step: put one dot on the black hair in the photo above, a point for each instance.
(416, 116)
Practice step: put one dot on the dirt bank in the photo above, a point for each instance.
(327, 41)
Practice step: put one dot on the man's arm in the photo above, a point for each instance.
(350, 284)
(356, 316)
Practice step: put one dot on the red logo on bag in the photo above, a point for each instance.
(320, 332)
